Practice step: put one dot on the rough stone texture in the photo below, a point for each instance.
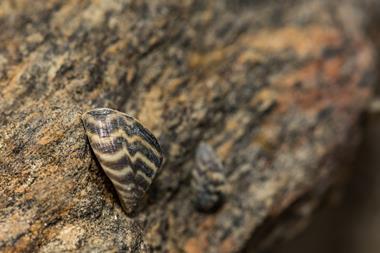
(275, 88)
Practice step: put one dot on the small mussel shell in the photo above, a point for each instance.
(128, 153)
(208, 179)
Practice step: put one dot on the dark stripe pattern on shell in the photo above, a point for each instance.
(208, 179)
(128, 153)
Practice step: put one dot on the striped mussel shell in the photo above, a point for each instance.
(128, 153)
(208, 179)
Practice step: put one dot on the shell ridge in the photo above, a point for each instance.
(128, 153)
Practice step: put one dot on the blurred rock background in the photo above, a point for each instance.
(352, 223)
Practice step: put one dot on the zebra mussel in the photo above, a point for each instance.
(128, 153)
(208, 179)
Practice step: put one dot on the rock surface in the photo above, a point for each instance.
(276, 89)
